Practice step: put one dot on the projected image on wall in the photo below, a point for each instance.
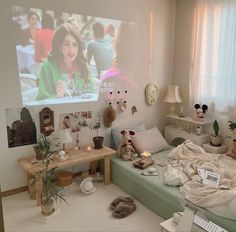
(66, 57)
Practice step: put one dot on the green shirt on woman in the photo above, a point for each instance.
(49, 78)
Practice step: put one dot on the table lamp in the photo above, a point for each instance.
(65, 137)
(173, 96)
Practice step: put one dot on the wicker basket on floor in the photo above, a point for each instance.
(64, 178)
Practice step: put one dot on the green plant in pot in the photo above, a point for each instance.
(47, 179)
(98, 140)
(42, 147)
(232, 127)
(216, 138)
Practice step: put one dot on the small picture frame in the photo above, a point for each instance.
(212, 179)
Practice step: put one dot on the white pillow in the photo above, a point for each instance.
(149, 140)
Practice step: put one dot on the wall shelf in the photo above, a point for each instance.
(186, 128)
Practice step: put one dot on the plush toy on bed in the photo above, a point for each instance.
(126, 150)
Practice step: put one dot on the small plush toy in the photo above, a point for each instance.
(126, 150)
(200, 110)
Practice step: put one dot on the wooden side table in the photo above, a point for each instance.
(76, 157)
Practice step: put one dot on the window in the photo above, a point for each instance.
(213, 67)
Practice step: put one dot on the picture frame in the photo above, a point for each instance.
(46, 117)
(212, 179)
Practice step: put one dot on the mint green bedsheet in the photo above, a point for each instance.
(162, 199)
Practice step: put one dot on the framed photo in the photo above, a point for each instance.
(212, 179)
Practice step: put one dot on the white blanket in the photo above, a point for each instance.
(189, 157)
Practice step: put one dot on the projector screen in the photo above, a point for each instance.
(68, 57)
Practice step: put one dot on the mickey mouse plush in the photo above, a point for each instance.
(200, 110)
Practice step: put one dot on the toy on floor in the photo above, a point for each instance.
(126, 150)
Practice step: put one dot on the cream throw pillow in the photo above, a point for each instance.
(150, 140)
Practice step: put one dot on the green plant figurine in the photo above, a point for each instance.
(216, 138)
(216, 127)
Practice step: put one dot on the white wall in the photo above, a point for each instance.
(11, 174)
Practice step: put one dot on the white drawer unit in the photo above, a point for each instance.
(183, 128)
(175, 136)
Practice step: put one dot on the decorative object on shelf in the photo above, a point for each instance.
(232, 127)
(109, 116)
(172, 97)
(216, 138)
(88, 148)
(200, 111)
(86, 186)
(77, 146)
(61, 155)
(65, 138)
(198, 130)
(98, 140)
(134, 109)
(50, 190)
(151, 93)
(46, 118)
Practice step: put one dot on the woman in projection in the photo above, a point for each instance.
(27, 35)
(65, 72)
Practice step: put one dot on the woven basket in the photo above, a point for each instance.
(64, 178)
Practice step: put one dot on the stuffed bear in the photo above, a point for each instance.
(126, 150)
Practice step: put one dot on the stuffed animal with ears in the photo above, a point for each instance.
(126, 150)
(200, 110)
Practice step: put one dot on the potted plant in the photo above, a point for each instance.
(98, 140)
(42, 147)
(216, 138)
(50, 190)
(232, 127)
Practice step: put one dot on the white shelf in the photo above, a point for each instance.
(173, 134)
(203, 121)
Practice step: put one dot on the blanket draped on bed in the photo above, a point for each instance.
(189, 157)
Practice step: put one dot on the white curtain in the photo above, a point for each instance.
(213, 67)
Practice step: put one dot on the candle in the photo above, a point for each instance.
(88, 148)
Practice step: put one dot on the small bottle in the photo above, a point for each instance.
(198, 130)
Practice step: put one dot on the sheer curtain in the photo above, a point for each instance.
(213, 67)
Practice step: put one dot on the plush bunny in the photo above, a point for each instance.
(126, 150)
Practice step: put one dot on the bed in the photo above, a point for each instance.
(151, 191)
